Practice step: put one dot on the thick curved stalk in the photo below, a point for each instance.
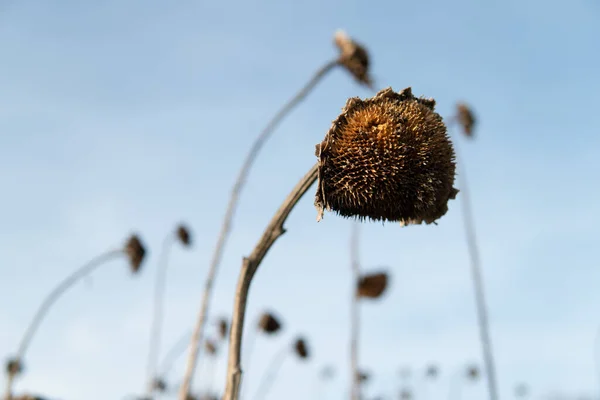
(197, 335)
(249, 267)
(50, 299)
(157, 317)
(354, 314)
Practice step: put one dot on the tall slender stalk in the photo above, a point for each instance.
(157, 319)
(42, 311)
(249, 267)
(354, 314)
(197, 335)
(174, 352)
(269, 376)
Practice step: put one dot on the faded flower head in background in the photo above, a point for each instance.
(372, 286)
(135, 252)
(354, 57)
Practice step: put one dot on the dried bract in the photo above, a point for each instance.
(372, 285)
(387, 158)
(135, 252)
(301, 348)
(354, 57)
(223, 328)
(466, 119)
(183, 234)
(210, 347)
(268, 323)
(13, 367)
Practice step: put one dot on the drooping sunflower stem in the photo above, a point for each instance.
(249, 267)
(354, 314)
(197, 335)
(268, 377)
(45, 306)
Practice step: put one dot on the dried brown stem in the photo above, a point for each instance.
(157, 318)
(355, 314)
(61, 288)
(197, 335)
(249, 267)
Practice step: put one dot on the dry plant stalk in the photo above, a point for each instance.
(396, 124)
(135, 252)
(182, 234)
(229, 214)
(355, 387)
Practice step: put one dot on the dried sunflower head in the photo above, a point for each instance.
(135, 252)
(466, 118)
(223, 328)
(372, 285)
(268, 323)
(13, 367)
(301, 348)
(387, 158)
(183, 234)
(354, 57)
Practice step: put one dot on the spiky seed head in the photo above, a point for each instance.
(473, 373)
(135, 252)
(301, 348)
(387, 158)
(372, 286)
(183, 234)
(223, 328)
(406, 394)
(466, 118)
(210, 347)
(13, 367)
(159, 385)
(354, 57)
(432, 371)
(268, 323)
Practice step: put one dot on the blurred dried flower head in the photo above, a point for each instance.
(466, 118)
(14, 367)
(432, 371)
(406, 394)
(210, 347)
(372, 285)
(29, 397)
(354, 57)
(223, 328)
(473, 373)
(362, 376)
(301, 348)
(159, 385)
(387, 158)
(268, 323)
(183, 234)
(135, 252)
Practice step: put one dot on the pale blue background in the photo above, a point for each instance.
(121, 116)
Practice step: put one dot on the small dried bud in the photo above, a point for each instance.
(159, 385)
(354, 57)
(466, 119)
(387, 158)
(432, 371)
(13, 367)
(372, 285)
(406, 394)
(136, 252)
(301, 348)
(473, 373)
(210, 347)
(268, 323)
(223, 328)
(183, 234)
(362, 376)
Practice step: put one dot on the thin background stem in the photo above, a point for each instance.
(61, 288)
(176, 350)
(249, 267)
(157, 319)
(482, 313)
(268, 377)
(354, 313)
(197, 335)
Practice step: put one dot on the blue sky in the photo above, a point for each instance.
(120, 117)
